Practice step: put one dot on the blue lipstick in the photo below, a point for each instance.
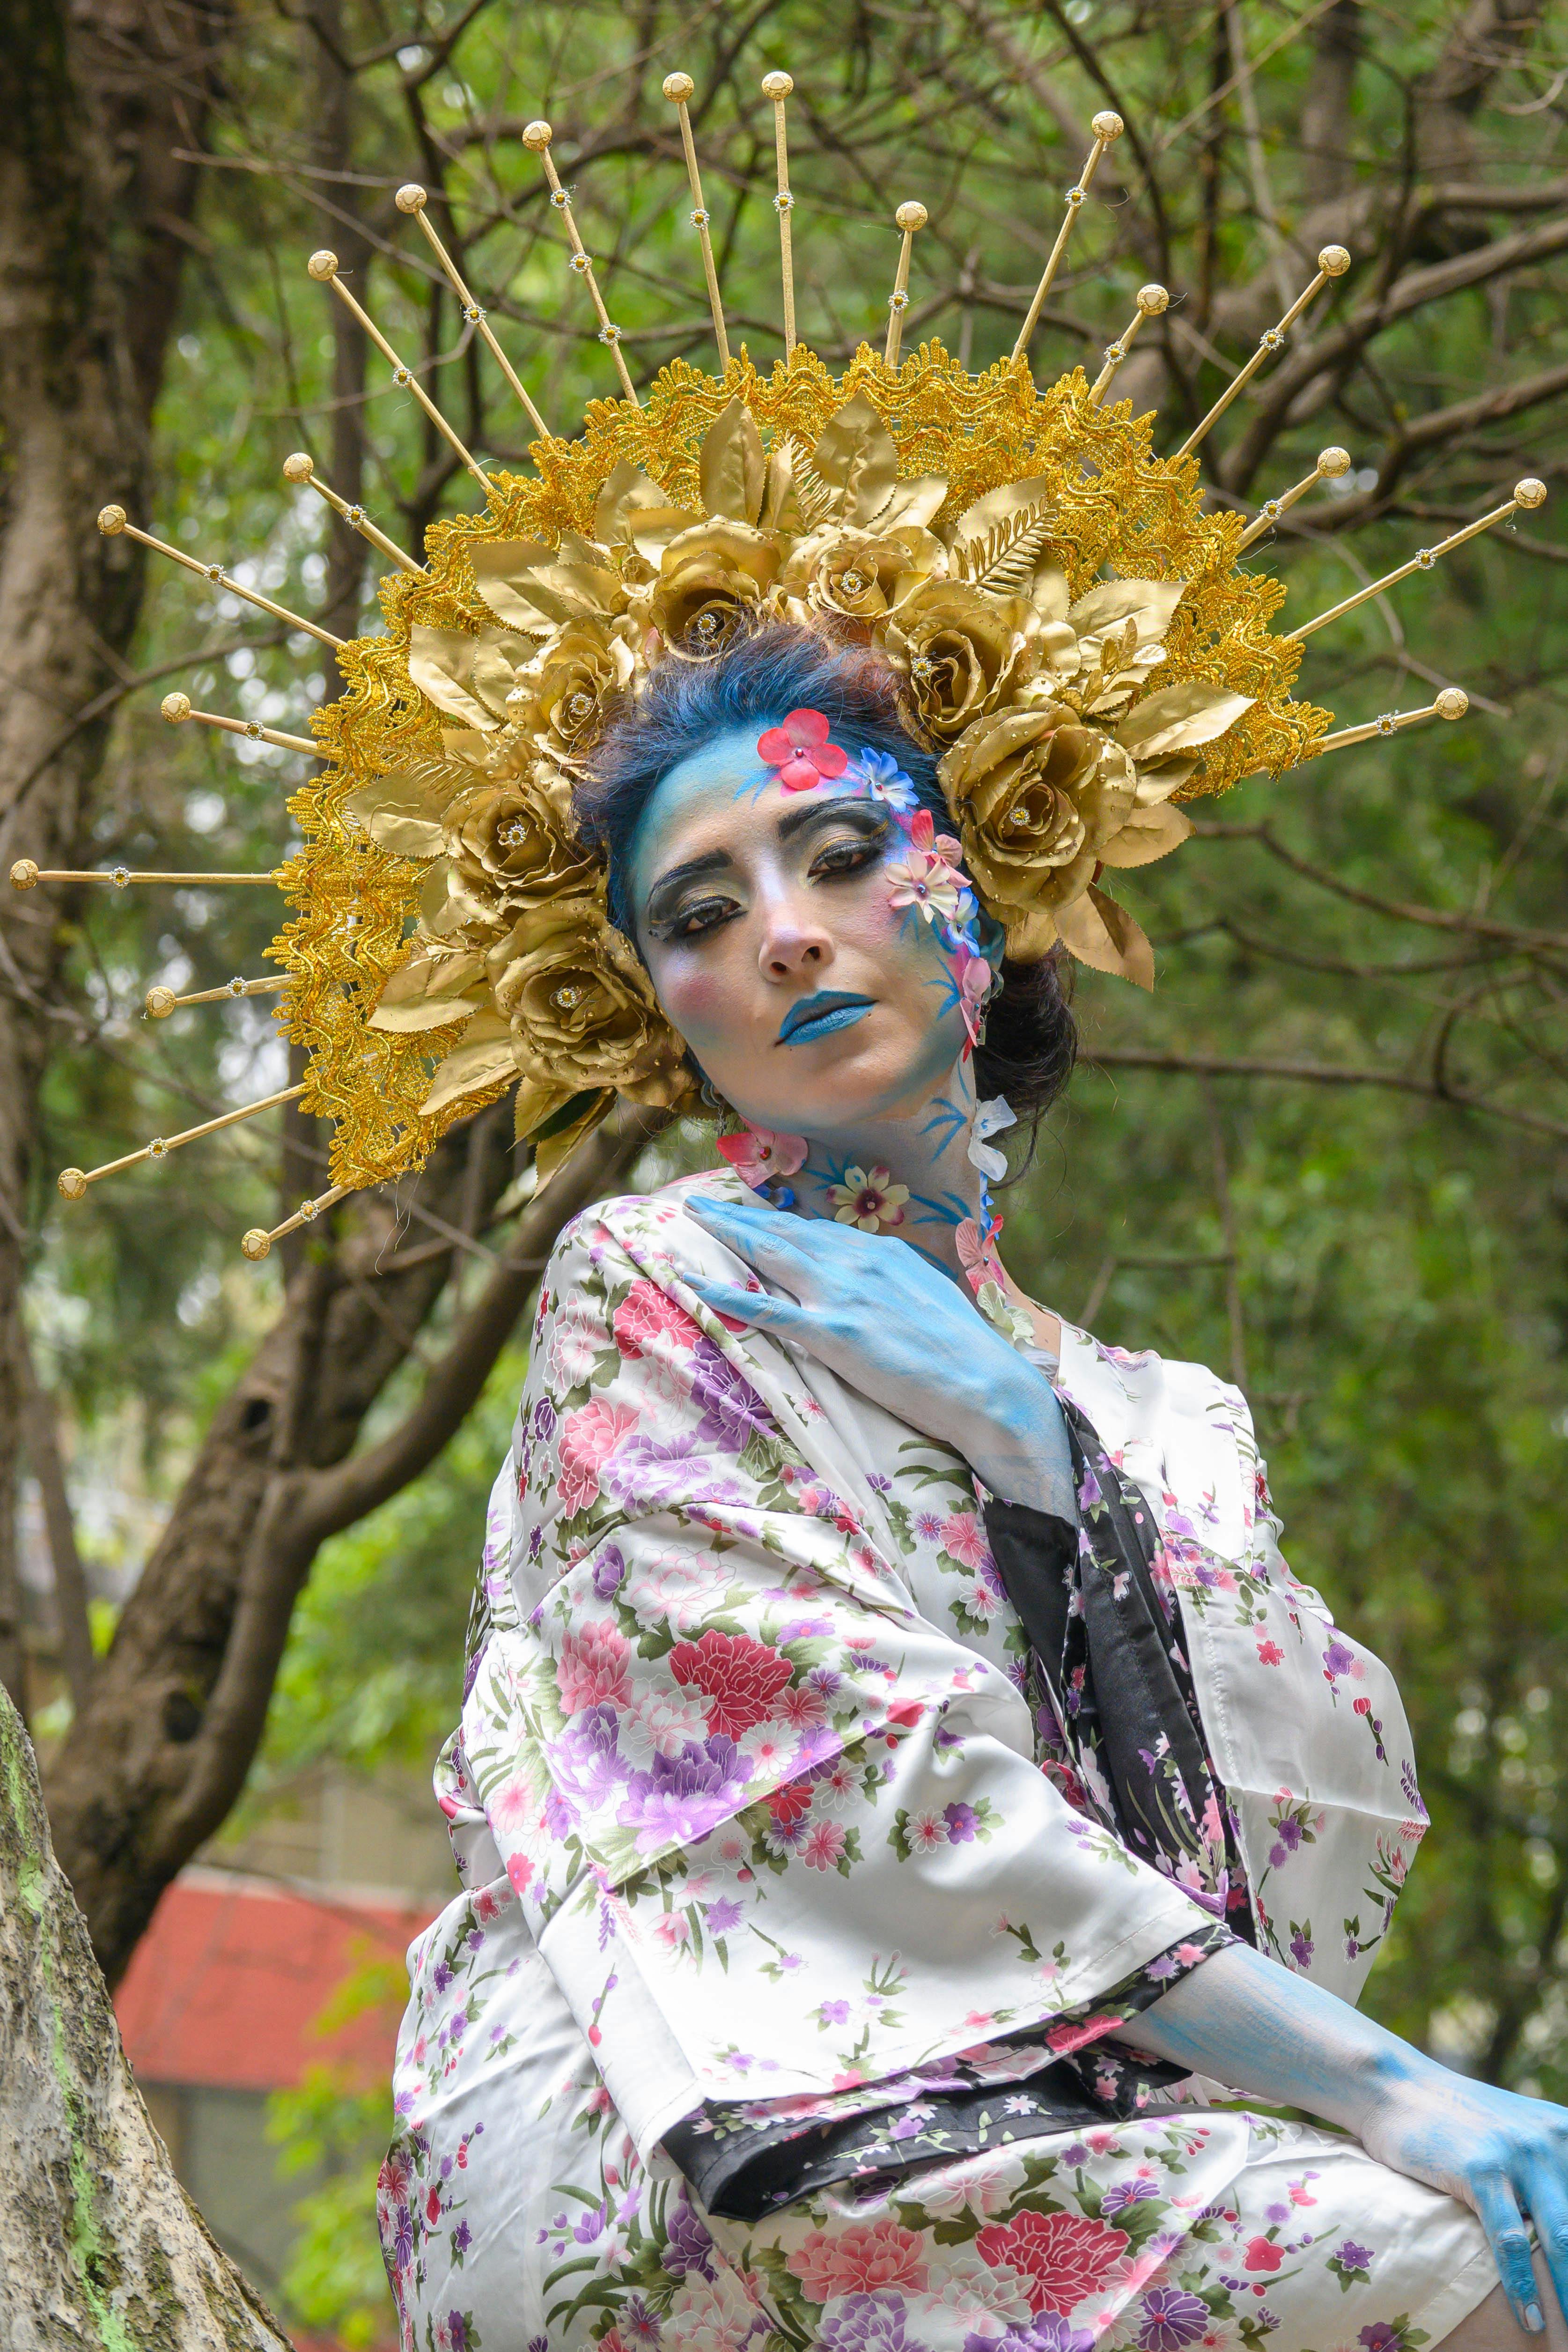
(810, 1017)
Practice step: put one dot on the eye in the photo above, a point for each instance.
(695, 920)
(847, 855)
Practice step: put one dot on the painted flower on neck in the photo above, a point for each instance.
(874, 1202)
(800, 751)
(759, 1155)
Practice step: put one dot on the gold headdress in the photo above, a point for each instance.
(1076, 640)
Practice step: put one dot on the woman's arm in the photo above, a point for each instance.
(1257, 2028)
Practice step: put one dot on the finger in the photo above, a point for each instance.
(1497, 2209)
(757, 1307)
(770, 1248)
(1546, 2191)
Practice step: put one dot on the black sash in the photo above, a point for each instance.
(1108, 1647)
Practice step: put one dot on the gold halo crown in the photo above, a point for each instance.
(1074, 637)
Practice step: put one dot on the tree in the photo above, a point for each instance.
(113, 2251)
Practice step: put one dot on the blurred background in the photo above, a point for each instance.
(1326, 1156)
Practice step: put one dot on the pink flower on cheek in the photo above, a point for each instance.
(760, 1153)
(800, 751)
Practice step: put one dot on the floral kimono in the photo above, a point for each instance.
(806, 1879)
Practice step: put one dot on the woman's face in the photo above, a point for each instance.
(785, 948)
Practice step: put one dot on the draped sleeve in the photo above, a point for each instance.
(774, 1832)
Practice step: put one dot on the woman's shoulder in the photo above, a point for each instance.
(630, 1242)
(635, 1227)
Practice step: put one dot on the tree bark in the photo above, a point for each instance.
(99, 2242)
(98, 96)
(178, 1706)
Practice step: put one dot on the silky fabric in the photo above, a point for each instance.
(756, 1796)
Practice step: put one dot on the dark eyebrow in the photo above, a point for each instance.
(795, 820)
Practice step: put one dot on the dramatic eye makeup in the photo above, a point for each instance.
(844, 837)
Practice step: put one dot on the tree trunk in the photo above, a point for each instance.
(99, 2242)
(178, 1708)
(91, 201)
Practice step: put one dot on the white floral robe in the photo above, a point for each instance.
(750, 1806)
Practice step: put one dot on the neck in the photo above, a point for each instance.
(921, 1152)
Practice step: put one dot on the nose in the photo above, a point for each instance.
(793, 942)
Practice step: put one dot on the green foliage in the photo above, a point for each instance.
(336, 2132)
(374, 1661)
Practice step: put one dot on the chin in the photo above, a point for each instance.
(840, 1091)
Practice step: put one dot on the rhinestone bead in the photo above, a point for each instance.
(1426, 559)
(158, 1148)
(567, 999)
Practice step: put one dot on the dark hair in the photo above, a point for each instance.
(1032, 1040)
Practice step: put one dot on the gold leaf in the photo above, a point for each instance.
(1161, 778)
(1104, 935)
(856, 457)
(1179, 719)
(1029, 497)
(426, 992)
(1149, 603)
(460, 674)
(780, 510)
(556, 1150)
(1148, 833)
(733, 471)
(534, 1105)
(402, 809)
(628, 491)
(537, 589)
(484, 1055)
(1003, 561)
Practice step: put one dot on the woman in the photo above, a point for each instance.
(907, 1809)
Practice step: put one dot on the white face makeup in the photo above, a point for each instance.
(785, 948)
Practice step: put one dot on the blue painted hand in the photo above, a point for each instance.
(900, 1330)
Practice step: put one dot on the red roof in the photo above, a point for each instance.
(225, 1987)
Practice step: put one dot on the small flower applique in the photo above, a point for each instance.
(872, 1202)
(991, 1118)
(928, 877)
(759, 1155)
(887, 782)
(800, 751)
(973, 977)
